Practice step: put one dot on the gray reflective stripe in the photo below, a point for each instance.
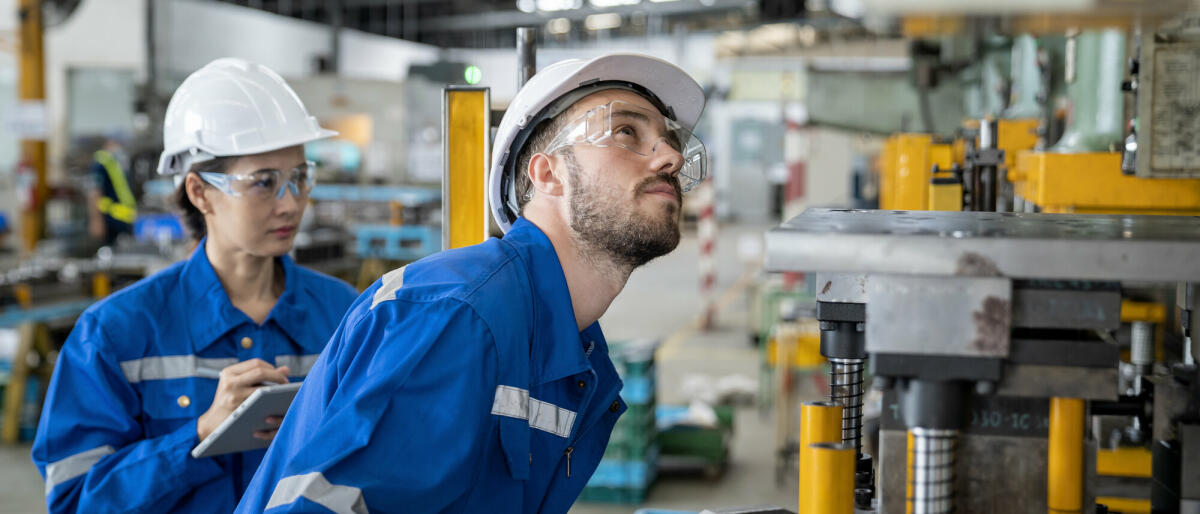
(341, 499)
(175, 366)
(298, 365)
(515, 402)
(73, 466)
(392, 282)
(550, 418)
(511, 401)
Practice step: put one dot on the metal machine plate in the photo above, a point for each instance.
(1014, 245)
(842, 287)
(972, 314)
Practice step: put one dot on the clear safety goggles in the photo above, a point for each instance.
(266, 184)
(641, 131)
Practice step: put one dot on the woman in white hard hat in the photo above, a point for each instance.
(149, 372)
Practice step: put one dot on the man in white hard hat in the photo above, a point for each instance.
(477, 379)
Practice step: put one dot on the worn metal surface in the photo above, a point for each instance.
(994, 475)
(972, 315)
(1062, 381)
(1016, 245)
(1189, 471)
(842, 287)
(1043, 306)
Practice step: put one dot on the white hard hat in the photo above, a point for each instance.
(233, 107)
(678, 96)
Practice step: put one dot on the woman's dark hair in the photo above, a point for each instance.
(193, 219)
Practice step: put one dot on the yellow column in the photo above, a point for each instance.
(820, 422)
(833, 474)
(31, 88)
(1064, 470)
(101, 285)
(466, 144)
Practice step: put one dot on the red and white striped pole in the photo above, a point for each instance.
(707, 235)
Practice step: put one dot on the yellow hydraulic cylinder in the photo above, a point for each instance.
(1064, 470)
(833, 472)
(820, 422)
(465, 135)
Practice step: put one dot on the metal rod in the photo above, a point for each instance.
(526, 54)
(1064, 466)
(845, 389)
(931, 468)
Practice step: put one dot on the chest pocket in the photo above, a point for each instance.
(514, 438)
(169, 404)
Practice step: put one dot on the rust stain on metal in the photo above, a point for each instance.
(828, 284)
(992, 325)
(976, 265)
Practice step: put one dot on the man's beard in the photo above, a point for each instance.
(620, 229)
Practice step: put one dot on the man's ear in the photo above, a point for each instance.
(546, 179)
(194, 186)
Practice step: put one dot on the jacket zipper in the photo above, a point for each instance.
(571, 449)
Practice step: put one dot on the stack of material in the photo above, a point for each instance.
(630, 462)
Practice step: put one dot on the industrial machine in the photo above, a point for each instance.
(992, 337)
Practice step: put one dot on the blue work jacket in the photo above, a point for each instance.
(119, 421)
(459, 383)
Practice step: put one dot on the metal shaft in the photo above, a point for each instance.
(931, 468)
(1141, 349)
(526, 54)
(845, 389)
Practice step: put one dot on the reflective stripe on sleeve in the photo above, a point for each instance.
(73, 466)
(392, 282)
(174, 366)
(515, 402)
(341, 499)
(298, 365)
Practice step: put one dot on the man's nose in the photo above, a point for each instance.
(667, 159)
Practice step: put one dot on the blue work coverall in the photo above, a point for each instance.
(120, 415)
(459, 383)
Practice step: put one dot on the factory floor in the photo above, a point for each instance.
(661, 301)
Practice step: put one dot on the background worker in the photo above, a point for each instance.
(132, 391)
(477, 379)
(112, 207)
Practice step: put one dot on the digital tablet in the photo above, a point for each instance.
(236, 433)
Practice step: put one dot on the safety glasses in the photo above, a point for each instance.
(266, 184)
(638, 130)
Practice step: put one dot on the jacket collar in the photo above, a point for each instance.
(211, 315)
(558, 348)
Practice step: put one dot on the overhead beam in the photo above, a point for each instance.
(514, 18)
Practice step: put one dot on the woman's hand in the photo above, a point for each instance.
(237, 382)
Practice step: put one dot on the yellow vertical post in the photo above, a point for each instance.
(31, 91)
(908, 478)
(101, 285)
(833, 471)
(14, 393)
(1064, 470)
(820, 422)
(465, 141)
